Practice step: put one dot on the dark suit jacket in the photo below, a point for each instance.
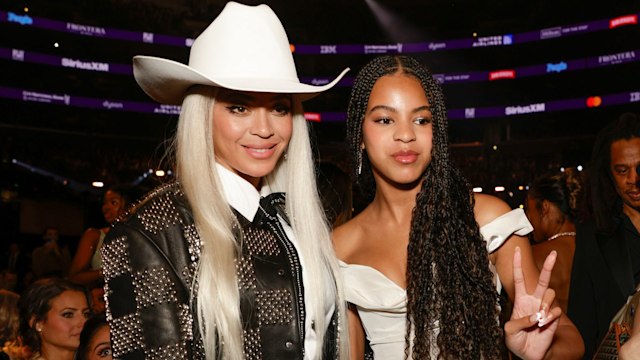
(601, 280)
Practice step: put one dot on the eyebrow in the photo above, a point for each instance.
(100, 344)
(392, 109)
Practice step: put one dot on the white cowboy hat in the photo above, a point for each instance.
(245, 48)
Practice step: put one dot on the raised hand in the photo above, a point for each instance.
(534, 319)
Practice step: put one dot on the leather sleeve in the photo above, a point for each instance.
(148, 270)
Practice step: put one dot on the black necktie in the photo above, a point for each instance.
(270, 206)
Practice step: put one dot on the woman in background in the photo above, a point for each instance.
(12, 348)
(95, 341)
(554, 205)
(52, 314)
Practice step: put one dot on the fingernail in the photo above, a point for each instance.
(540, 316)
(534, 318)
(544, 321)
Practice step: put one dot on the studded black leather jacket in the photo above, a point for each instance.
(149, 261)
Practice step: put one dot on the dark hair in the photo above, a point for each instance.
(9, 316)
(448, 275)
(334, 187)
(89, 330)
(604, 199)
(128, 193)
(35, 303)
(564, 189)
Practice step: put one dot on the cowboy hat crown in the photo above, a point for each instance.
(245, 48)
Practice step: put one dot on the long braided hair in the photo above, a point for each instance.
(449, 283)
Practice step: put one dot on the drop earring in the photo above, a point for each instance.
(360, 161)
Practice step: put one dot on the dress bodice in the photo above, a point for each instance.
(382, 304)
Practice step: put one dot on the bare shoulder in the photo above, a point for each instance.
(91, 235)
(347, 238)
(488, 208)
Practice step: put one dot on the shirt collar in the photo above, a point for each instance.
(239, 193)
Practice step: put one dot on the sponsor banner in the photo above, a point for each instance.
(313, 116)
(502, 74)
(173, 110)
(333, 49)
(623, 20)
(86, 30)
(551, 33)
(19, 19)
(85, 65)
(48, 98)
(618, 58)
(557, 67)
(383, 49)
(524, 109)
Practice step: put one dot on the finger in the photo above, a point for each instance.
(550, 317)
(514, 326)
(545, 275)
(518, 275)
(546, 306)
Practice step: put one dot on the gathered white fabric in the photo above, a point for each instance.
(382, 304)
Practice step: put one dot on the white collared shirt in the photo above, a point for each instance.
(245, 199)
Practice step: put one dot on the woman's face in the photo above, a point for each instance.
(113, 205)
(397, 130)
(251, 130)
(100, 345)
(63, 323)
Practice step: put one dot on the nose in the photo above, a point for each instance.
(261, 125)
(404, 132)
(634, 176)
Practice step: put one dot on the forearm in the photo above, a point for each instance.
(89, 277)
(567, 344)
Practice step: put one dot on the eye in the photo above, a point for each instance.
(237, 109)
(106, 352)
(67, 314)
(384, 121)
(282, 109)
(86, 314)
(422, 121)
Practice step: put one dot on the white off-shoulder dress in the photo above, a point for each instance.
(382, 304)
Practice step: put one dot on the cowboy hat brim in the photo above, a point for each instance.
(166, 81)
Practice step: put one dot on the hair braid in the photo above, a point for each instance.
(449, 284)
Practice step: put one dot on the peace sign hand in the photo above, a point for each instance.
(534, 319)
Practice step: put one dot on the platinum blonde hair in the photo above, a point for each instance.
(215, 290)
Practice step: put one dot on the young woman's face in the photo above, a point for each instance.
(397, 129)
(100, 345)
(251, 131)
(113, 205)
(63, 323)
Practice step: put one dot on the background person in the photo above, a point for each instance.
(52, 314)
(95, 340)
(50, 259)
(606, 266)
(554, 206)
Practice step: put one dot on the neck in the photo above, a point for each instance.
(51, 352)
(395, 203)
